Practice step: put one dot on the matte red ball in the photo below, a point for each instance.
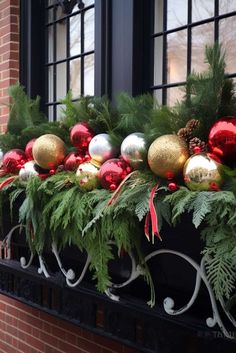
(14, 160)
(81, 135)
(28, 149)
(112, 172)
(73, 160)
(222, 139)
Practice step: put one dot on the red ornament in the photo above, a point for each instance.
(222, 139)
(13, 161)
(81, 134)
(196, 150)
(28, 149)
(112, 172)
(73, 160)
(172, 186)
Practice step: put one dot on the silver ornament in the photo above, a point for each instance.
(1, 157)
(87, 174)
(27, 171)
(101, 149)
(134, 150)
(202, 173)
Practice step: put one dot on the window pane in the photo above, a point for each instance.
(177, 56)
(158, 95)
(50, 113)
(61, 81)
(174, 94)
(89, 30)
(75, 78)
(158, 16)
(75, 35)
(176, 13)
(61, 44)
(88, 2)
(89, 75)
(226, 6)
(158, 53)
(202, 9)
(59, 112)
(50, 43)
(227, 38)
(201, 36)
(50, 83)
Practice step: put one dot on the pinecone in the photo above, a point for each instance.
(184, 133)
(196, 142)
(187, 132)
(192, 124)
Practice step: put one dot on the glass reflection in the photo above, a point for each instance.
(227, 34)
(61, 44)
(158, 16)
(177, 56)
(201, 36)
(61, 81)
(89, 75)
(176, 13)
(158, 53)
(75, 35)
(75, 78)
(174, 94)
(202, 9)
(226, 6)
(89, 30)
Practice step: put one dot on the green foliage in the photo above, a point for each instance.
(209, 95)
(217, 210)
(58, 210)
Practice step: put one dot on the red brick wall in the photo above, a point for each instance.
(27, 330)
(9, 54)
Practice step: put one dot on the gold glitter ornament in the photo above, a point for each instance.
(167, 155)
(202, 173)
(87, 174)
(49, 151)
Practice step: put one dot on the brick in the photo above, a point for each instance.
(108, 343)
(88, 346)
(49, 339)
(65, 347)
(58, 332)
(129, 350)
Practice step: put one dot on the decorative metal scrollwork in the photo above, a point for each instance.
(137, 271)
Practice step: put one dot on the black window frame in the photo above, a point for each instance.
(215, 19)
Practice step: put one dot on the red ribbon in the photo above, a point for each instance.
(152, 215)
(116, 193)
(7, 181)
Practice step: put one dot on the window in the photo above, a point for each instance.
(69, 65)
(182, 28)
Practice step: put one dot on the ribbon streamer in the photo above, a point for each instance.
(7, 181)
(152, 215)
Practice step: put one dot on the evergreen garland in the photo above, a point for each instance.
(58, 210)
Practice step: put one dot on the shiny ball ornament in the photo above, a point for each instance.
(134, 150)
(112, 172)
(27, 171)
(167, 155)
(81, 135)
(202, 173)
(222, 139)
(1, 157)
(72, 161)
(28, 149)
(49, 151)
(101, 149)
(13, 160)
(87, 174)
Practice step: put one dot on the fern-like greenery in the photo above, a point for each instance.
(59, 210)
